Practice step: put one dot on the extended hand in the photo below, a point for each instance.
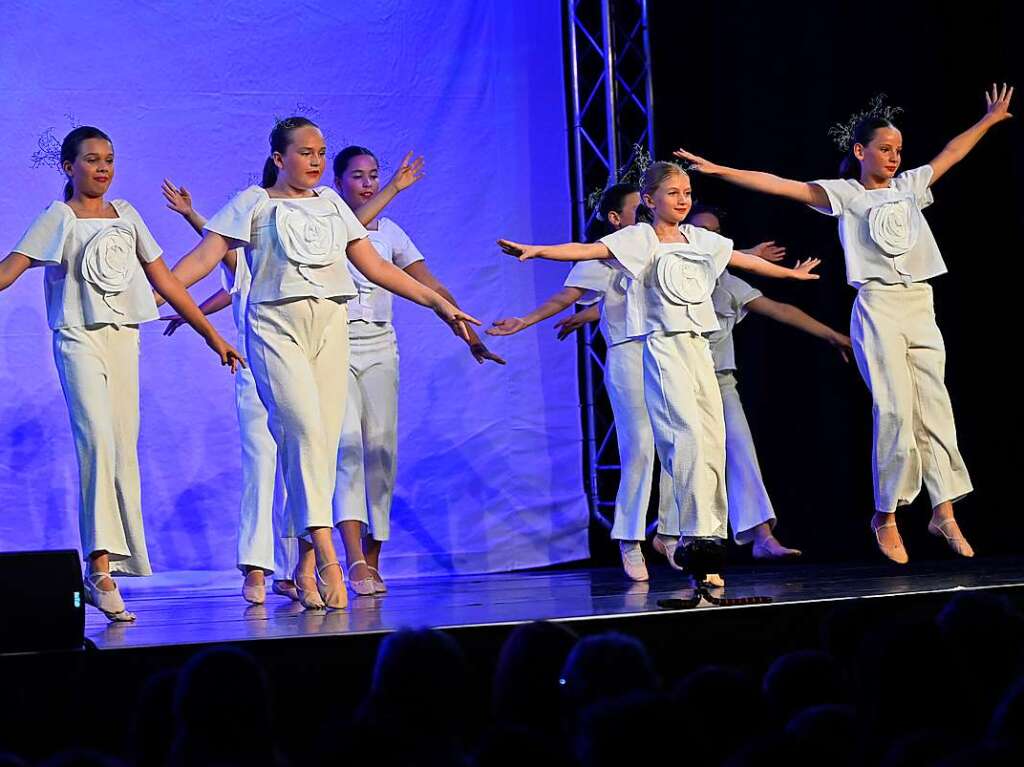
(843, 345)
(803, 269)
(694, 162)
(507, 327)
(569, 325)
(174, 322)
(455, 318)
(481, 353)
(769, 251)
(408, 173)
(228, 354)
(998, 103)
(179, 199)
(520, 251)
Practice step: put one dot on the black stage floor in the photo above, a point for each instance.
(201, 616)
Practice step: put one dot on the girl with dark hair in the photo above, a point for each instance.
(890, 256)
(671, 269)
(262, 549)
(297, 237)
(101, 267)
(367, 457)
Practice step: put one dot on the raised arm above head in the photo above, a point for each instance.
(799, 191)
(997, 110)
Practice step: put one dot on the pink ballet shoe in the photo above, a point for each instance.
(109, 603)
(666, 546)
(771, 548)
(283, 590)
(633, 561)
(893, 551)
(255, 594)
(308, 598)
(363, 587)
(336, 599)
(955, 539)
(379, 587)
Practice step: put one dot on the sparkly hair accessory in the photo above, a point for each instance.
(842, 133)
(48, 153)
(630, 173)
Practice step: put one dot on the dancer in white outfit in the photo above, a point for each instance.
(100, 261)
(597, 285)
(262, 548)
(367, 459)
(671, 269)
(593, 283)
(890, 256)
(751, 514)
(296, 236)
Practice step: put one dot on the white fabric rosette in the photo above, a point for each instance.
(684, 277)
(307, 238)
(895, 226)
(109, 262)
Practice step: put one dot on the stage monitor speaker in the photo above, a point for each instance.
(42, 607)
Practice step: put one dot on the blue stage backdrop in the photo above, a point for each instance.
(489, 459)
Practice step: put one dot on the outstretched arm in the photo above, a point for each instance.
(202, 259)
(391, 278)
(566, 327)
(804, 270)
(420, 272)
(167, 285)
(12, 267)
(408, 173)
(571, 251)
(560, 301)
(800, 191)
(998, 106)
(798, 318)
(769, 251)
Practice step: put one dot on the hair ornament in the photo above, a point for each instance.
(48, 153)
(630, 173)
(842, 133)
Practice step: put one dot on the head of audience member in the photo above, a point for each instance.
(526, 688)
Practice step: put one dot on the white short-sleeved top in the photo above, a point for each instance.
(601, 280)
(885, 236)
(93, 275)
(237, 284)
(670, 283)
(294, 246)
(373, 303)
(730, 297)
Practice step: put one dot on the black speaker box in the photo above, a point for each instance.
(42, 607)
